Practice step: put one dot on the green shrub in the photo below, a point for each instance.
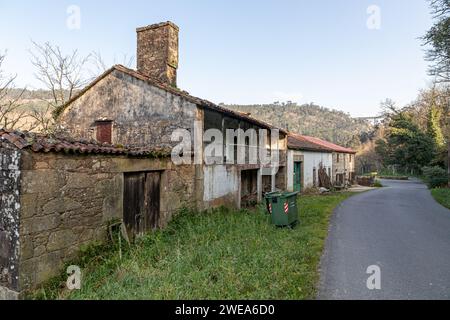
(442, 195)
(377, 184)
(435, 177)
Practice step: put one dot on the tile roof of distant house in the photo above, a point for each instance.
(47, 143)
(325, 144)
(175, 91)
(297, 142)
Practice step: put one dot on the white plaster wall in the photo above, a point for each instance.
(290, 169)
(219, 181)
(311, 160)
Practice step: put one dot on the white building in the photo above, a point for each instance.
(304, 160)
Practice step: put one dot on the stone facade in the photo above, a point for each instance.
(145, 109)
(142, 114)
(62, 202)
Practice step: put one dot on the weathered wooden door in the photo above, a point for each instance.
(141, 202)
(298, 176)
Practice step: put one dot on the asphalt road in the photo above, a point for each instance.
(400, 229)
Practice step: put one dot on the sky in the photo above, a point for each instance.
(347, 55)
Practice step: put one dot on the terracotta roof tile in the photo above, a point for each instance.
(302, 142)
(46, 143)
(326, 144)
(296, 142)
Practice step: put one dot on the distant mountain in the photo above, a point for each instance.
(308, 119)
(313, 120)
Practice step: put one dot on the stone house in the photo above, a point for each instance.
(306, 155)
(114, 159)
(58, 194)
(144, 107)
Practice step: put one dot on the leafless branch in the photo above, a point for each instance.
(12, 113)
(101, 66)
(62, 74)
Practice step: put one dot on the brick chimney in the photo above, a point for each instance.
(157, 52)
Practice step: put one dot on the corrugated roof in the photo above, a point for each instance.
(163, 86)
(46, 143)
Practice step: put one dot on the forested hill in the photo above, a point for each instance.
(309, 119)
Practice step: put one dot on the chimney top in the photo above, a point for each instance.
(158, 25)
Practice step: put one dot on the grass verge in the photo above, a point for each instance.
(222, 254)
(442, 196)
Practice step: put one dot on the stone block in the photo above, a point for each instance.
(60, 205)
(47, 266)
(7, 294)
(27, 248)
(33, 182)
(79, 180)
(61, 239)
(39, 224)
(30, 205)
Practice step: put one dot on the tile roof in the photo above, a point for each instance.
(297, 142)
(323, 144)
(163, 86)
(46, 143)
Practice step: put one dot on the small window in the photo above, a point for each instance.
(337, 157)
(104, 131)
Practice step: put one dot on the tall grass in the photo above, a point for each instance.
(442, 196)
(222, 254)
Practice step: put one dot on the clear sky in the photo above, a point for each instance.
(245, 52)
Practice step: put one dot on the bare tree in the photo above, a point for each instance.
(62, 74)
(12, 115)
(438, 40)
(101, 66)
(389, 108)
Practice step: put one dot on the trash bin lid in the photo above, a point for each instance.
(273, 194)
(289, 194)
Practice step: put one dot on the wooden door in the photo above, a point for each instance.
(298, 176)
(141, 202)
(152, 200)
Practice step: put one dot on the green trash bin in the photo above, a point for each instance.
(283, 208)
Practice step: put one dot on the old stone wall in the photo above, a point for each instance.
(9, 219)
(68, 201)
(142, 114)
